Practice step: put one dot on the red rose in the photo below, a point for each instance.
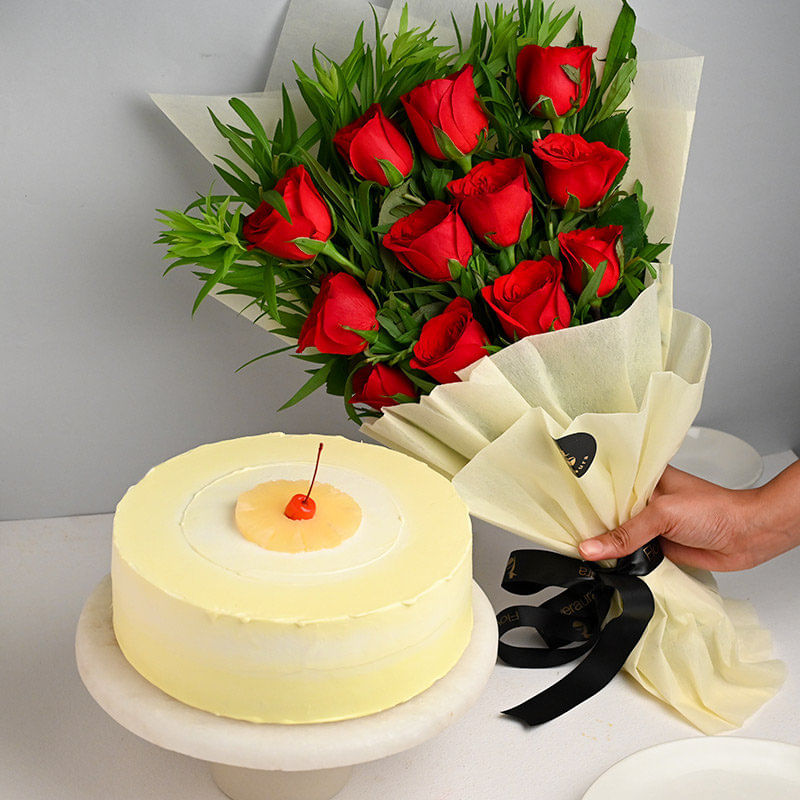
(540, 73)
(370, 139)
(427, 239)
(377, 386)
(530, 299)
(593, 246)
(267, 229)
(571, 165)
(449, 105)
(449, 342)
(494, 199)
(340, 304)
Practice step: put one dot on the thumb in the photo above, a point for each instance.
(626, 538)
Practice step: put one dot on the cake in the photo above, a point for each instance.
(227, 605)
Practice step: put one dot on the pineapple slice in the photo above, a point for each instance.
(260, 517)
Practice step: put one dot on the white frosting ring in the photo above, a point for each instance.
(208, 524)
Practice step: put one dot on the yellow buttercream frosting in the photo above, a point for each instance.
(310, 635)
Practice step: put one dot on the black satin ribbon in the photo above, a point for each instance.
(571, 623)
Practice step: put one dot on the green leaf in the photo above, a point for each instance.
(251, 120)
(313, 358)
(618, 90)
(364, 203)
(625, 213)
(652, 250)
(577, 39)
(337, 377)
(393, 199)
(545, 105)
(309, 246)
(347, 393)
(373, 278)
(589, 293)
(446, 145)
(278, 203)
(289, 121)
(468, 286)
(309, 137)
(212, 280)
(555, 25)
(390, 327)
(236, 142)
(457, 271)
(411, 325)
(573, 73)
(317, 379)
(239, 181)
(573, 205)
(619, 47)
(426, 385)
(366, 82)
(292, 325)
(608, 131)
(330, 187)
(393, 175)
(270, 292)
(266, 355)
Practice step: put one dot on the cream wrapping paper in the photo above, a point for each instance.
(494, 435)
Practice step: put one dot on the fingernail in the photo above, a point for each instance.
(591, 548)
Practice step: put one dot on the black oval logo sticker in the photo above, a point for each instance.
(579, 450)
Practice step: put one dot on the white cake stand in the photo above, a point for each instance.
(275, 762)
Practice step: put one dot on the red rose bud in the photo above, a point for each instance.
(266, 229)
(373, 138)
(340, 304)
(377, 386)
(571, 165)
(530, 299)
(494, 199)
(540, 73)
(428, 239)
(448, 105)
(449, 342)
(592, 246)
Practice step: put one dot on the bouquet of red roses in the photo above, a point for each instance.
(446, 234)
(442, 204)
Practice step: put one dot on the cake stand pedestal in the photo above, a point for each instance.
(252, 761)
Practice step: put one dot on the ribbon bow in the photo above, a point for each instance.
(571, 623)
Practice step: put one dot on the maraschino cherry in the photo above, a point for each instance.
(301, 506)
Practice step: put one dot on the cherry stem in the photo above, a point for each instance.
(314, 477)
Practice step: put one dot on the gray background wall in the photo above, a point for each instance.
(102, 371)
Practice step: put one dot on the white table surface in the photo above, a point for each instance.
(57, 744)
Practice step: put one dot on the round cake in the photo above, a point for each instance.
(226, 603)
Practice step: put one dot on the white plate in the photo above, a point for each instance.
(721, 768)
(719, 457)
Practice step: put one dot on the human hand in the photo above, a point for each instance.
(703, 525)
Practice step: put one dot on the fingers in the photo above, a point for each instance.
(622, 541)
